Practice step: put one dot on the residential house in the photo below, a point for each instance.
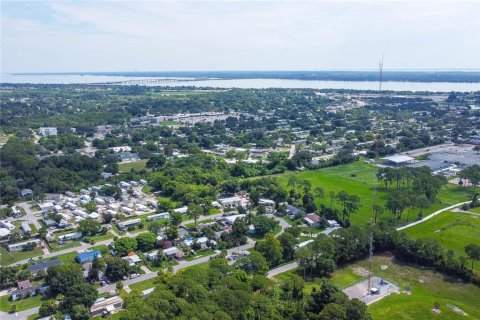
(43, 266)
(106, 306)
(47, 131)
(231, 202)
(21, 245)
(88, 256)
(132, 258)
(174, 252)
(122, 225)
(25, 289)
(312, 219)
(163, 215)
(4, 233)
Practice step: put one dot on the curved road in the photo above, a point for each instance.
(182, 264)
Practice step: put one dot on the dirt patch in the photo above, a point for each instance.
(407, 292)
(437, 311)
(437, 231)
(360, 271)
(384, 267)
(457, 310)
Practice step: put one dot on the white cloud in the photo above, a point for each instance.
(164, 35)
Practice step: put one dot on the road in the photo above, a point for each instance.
(185, 264)
(286, 267)
(30, 215)
(431, 215)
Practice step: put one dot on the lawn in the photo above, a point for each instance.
(22, 304)
(146, 284)
(191, 225)
(55, 246)
(426, 288)
(200, 254)
(342, 277)
(127, 167)
(356, 178)
(454, 230)
(7, 258)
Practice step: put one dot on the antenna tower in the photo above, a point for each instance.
(374, 190)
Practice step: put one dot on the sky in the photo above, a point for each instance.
(71, 36)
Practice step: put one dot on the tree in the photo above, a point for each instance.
(254, 263)
(194, 212)
(91, 206)
(146, 241)
(8, 277)
(473, 252)
(89, 227)
(319, 193)
(176, 218)
(94, 271)
(357, 310)
(271, 249)
(333, 311)
(117, 268)
(80, 312)
(263, 224)
(172, 233)
(80, 294)
(48, 308)
(61, 277)
(125, 245)
(288, 243)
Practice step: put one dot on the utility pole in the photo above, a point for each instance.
(374, 193)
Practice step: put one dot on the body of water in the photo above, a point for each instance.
(244, 83)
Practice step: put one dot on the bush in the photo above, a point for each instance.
(119, 285)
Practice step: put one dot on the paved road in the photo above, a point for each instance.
(22, 315)
(182, 264)
(30, 215)
(431, 215)
(286, 267)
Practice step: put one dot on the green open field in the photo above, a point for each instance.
(342, 278)
(22, 304)
(7, 258)
(356, 178)
(426, 287)
(137, 165)
(454, 230)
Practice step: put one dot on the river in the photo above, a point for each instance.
(244, 83)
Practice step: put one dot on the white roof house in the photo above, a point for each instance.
(4, 232)
(25, 227)
(230, 202)
(7, 225)
(181, 210)
(399, 159)
(163, 215)
(231, 219)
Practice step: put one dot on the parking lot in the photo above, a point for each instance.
(360, 290)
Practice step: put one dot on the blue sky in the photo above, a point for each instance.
(61, 36)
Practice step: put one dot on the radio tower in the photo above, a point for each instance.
(374, 190)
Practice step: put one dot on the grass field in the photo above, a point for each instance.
(7, 258)
(426, 287)
(356, 178)
(454, 230)
(22, 304)
(137, 165)
(342, 278)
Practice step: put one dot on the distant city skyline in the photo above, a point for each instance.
(102, 36)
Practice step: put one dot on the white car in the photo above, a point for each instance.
(135, 275)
